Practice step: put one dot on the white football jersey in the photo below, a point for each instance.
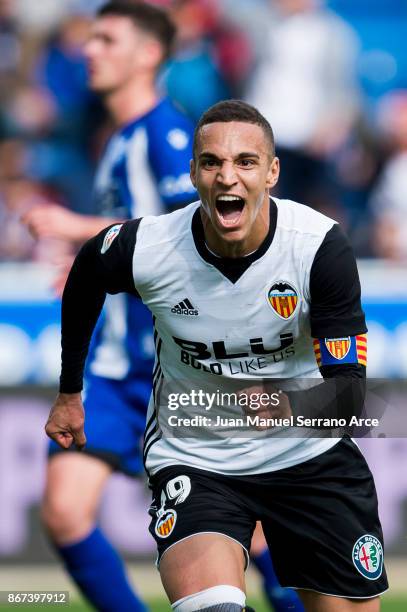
(211, 332)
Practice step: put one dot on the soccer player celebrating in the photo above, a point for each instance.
(144, 171)
(241, 286)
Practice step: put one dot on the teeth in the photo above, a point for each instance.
(229, 198)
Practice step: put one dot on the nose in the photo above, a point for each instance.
(227, 174)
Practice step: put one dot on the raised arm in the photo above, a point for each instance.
(56, 221)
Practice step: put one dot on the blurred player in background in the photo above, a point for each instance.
(144, 171)
(310, 59)
(388, 201)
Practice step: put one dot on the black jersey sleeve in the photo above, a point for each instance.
(103, 265)
(335, 312)
(340, 396)
(335, 308)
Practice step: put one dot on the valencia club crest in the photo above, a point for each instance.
(283, 299)
(338, 347)
(165, 523)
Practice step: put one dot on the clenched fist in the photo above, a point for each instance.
(66, 420)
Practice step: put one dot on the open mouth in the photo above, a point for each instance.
(230, 209)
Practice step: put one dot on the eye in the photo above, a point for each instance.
(210, 163)
(246, 163)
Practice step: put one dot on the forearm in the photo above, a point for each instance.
(82, 302)
(340, 396)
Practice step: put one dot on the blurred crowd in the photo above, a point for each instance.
(331, 77)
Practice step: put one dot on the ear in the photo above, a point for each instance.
(192, 172)
(273, 173)
(152, 53)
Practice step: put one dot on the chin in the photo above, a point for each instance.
(98, 86)
(94, 85)
(232, 235)
(102, 90)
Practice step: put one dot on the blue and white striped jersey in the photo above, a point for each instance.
(144, 171)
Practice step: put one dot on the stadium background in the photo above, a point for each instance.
(51, 133)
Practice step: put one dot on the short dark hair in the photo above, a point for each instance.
(150, 19)
(234, 110)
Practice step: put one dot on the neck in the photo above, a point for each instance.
(132, 100)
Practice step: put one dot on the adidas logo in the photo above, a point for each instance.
(184, 308)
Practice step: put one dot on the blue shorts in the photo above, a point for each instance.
(115, 416)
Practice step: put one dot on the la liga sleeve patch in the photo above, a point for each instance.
(111, 234)
(334, 351)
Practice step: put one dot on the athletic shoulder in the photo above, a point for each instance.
(293, 216)
(170, 138)
(167, 117)
(157, 229)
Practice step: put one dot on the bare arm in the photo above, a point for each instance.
(54, 221)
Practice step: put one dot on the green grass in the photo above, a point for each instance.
(389, 604)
